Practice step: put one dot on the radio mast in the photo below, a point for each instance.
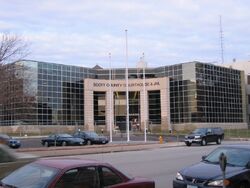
(221, 42)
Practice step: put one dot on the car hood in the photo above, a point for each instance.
(203, 170)
(195, 134)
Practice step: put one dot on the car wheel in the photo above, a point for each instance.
(218, 140)
(46, 144)
(188, 144)
(64, 143)
(244, 185)
(89, 142)
(203, 142)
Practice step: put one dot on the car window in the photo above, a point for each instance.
(86, 177)
(235, 156)
(209, 130)
(32, 175)
(109, 177)
(199, 131)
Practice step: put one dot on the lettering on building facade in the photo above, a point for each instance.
(119, 85)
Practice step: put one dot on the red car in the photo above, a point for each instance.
(71, 173)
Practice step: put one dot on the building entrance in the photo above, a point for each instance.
(120, 110)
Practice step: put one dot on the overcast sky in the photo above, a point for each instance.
(83, 32)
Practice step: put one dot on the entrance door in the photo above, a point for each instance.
(120, 109)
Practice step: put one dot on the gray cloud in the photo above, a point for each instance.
(85, 31)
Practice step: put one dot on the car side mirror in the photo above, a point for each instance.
(203, 157)
(248, 165)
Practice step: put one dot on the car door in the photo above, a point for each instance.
(109, 178)
(209, 135)
(82, 177)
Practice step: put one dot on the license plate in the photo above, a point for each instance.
(191, 186)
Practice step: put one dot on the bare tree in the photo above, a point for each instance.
(12, 48)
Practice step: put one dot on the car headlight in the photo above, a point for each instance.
(218, 183)
(179, 176)
(197, 136)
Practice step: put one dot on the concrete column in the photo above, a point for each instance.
(88, 110)
(165, 110)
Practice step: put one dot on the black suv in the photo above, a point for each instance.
(204, 135)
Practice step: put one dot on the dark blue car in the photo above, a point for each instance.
(9, 141)
(207, 173)
(91, 137)
(61, 140)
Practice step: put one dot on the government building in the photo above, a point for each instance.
(173, 97)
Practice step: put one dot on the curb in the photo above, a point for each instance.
(79, 150)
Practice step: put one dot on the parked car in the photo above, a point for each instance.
(203, 136)
(61, 140)
(10, 160)
(91, 137)
(207, 173)
(9, 141)
(72, 172)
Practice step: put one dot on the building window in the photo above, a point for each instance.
(99, 108)
(154, 106)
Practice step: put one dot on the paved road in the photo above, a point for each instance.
(159, 164)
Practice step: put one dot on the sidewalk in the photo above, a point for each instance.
(96, 149)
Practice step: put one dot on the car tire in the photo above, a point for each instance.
(203, 142)
(89, 142)
(64, 143)
(46, 144)
(218, 140)
(188, 144)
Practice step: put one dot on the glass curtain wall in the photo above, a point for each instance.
(60, 94)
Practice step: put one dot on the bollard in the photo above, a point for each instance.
(160, 140)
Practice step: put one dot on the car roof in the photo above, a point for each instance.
(62, 163)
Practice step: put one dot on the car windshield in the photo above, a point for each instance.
(31, 175)
(235, 156)
(199, 131)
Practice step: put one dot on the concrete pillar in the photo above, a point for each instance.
(88, 110)
(165, 110)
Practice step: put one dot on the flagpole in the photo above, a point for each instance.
(127, 93)
(110, 102)
(144, 99)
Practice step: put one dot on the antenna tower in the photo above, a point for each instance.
(221, 42)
